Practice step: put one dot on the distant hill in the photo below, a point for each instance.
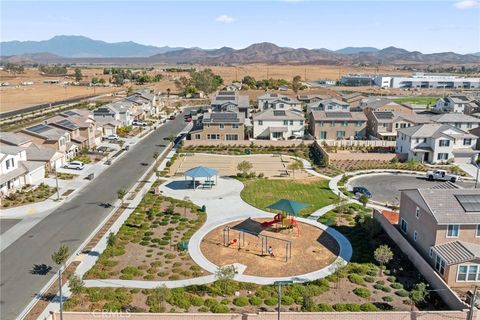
(351, 50)
(81, 47)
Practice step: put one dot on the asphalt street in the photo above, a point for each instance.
(386, 187)
(71, 224)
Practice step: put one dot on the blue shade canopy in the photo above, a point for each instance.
(201, 172)
(289, 206)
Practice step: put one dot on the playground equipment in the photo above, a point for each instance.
(290, 224)
(276, 219)
(240, 241)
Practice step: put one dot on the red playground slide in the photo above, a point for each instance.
(276, 219)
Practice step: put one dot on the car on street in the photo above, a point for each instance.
(139, 123)
(112, 137)
(360, 191)
(188, 120)
(441, 175)
(76, 165)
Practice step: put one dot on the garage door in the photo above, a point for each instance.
(58, 163)
(109, 131)
(463, 158)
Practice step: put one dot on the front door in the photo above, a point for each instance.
(425, 157)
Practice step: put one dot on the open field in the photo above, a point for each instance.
(311, 249)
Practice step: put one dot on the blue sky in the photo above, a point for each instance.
(426, 26)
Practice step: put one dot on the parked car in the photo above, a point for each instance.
(360, 191)
(441, 175)
(172, 117)
(113, 137)
(188, 120)
(77, 165)
(139, 123)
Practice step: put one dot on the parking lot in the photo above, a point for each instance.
(386, 187)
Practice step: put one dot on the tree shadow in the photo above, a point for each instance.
(41, 269)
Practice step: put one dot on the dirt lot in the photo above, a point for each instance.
(271, 166)
(312, 249)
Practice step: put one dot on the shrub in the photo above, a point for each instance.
(396, 285)
(340, 307)
(369, 279)
(386, 289)
(355, 278)
(352, 307)
(287, 301)
(255, 301)
(402, 293)
(391, 279)
(325, 307)
(271, 301)
(387, 299)
(241, 301)
(381, 282)
(219, 308)
(368, 307)
(209, 302)
(362, 292)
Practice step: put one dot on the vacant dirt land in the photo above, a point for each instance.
(312, 249)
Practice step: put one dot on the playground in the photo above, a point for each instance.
(278, 247)
(272, 166)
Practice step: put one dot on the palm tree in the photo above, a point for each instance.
(59, 258)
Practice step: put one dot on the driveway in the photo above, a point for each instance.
(71, 223)
(386, 187)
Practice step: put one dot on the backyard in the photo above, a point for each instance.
(261, 193)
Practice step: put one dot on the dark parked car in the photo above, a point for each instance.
(362, 191)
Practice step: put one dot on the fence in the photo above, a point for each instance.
(359, 143)
(436, 282)
(392, 315)
(247, 143)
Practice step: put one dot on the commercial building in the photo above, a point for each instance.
(425, 80)
(357, 80)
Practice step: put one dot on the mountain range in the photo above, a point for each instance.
(80, 49)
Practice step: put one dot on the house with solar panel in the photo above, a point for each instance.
(383, 125)
(337, 125)
(86, 123)
(278, 102)
(230, 101)
(74, 130)
(443, 225)
(112, 116)
(436, 143)
(279, 124)
(52, 137)
(309, 98)
(456, 103)
(219, 126)
(371, 104)
(329, 105)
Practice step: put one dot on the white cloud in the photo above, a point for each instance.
(225, 19)
(467, 4)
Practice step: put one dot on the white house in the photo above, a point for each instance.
(435, 142)
(278, 124)
(278, 102)
(111, 116)
(16, 171)
(458, 120)
(459, 103)
(328, 105)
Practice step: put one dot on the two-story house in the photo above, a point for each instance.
(230, 101)
(454, 103)
(458, 120)
(443, 225)
(383, 125)
(309, 98)
(329, 105)
(353, 99)
(435, 142)
(337, 125)
(216, 126)
(86, 124)
(278, 124)
(16, 171)
(382, 104)
(108, 119)
(278, 102)
(74, 130)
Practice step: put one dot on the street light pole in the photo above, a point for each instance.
(472, 304)
(476, 179)
(279, 284)
(56, 182)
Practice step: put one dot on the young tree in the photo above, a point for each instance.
(112, 239)
(78, 74)
(418, 294)
(250, 82)
(363, 200)
(383, 254)
(129, 90)
(295, 165)
(59, 258)
(205, 80)
(225, 273)
(101, 81)
(161, 295)
(76, 284)
(244, 167)
(155, 155)
(121, 193)
(296, 84)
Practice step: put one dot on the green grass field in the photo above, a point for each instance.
(418, 100)
(261, 193)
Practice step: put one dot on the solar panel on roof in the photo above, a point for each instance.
(273, 95)
(338, 114)
(469, 202)
(70, 113)
(225, 98)
(279, 113)
(39, 128)
(67, 124)
(384, 115)
(226, 93)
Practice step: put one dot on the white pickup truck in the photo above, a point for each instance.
(441, 175)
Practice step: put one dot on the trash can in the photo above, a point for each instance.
(204, 209)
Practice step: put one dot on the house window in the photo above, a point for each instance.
(415, 235)
(462, 273)
(458, 125)
(322, 135)
(277, 135)
(468, 272)
(403, 226)
(345, 123)
(442, 156)
(424, 140)
(472, 273)
(417, 140)
(285, 122)
(430, 252)
(396, 125)
(440, 265)
(417, 212)
(453, 230)
(222, 126)
(213, 137)
(291, 122)
(9, 163)
(300, 122)
(478, 231)
(281, 105)
(443, 143)
(197, 136)
(332, 124)
(320, 123)
(260, 122)
(469, 125)
(467, 142)
(340, 134)
(231, 137)
(235, 126)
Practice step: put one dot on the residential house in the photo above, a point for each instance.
(278, 102)
(109, 118)
(16, 171)
(458, 120)
(443, 225)
(15, 139)
(278, 124)
(309, 98)
(52, 137)
(74, 130)
(456, 103)
(383, 104)
(383, 125)
(230, 101)
(337, 125)
(353, 99)
(146, 102)
(436, 142)
(87, 125)
(329, 105)
(226, 126)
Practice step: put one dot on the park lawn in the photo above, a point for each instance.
(418, 100)
(261, 193)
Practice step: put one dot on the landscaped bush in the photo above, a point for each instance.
(287, 301)
(209, 302)
(271, 301)
(219, 308)
(362, 292)
(355, 278)
(387, 299)
(369, 279)
(368, 307)
(344, 307)
(255, 301)
(325, 307)
(241, 301)
(391, 279)
(402, 293)
(396, 285)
